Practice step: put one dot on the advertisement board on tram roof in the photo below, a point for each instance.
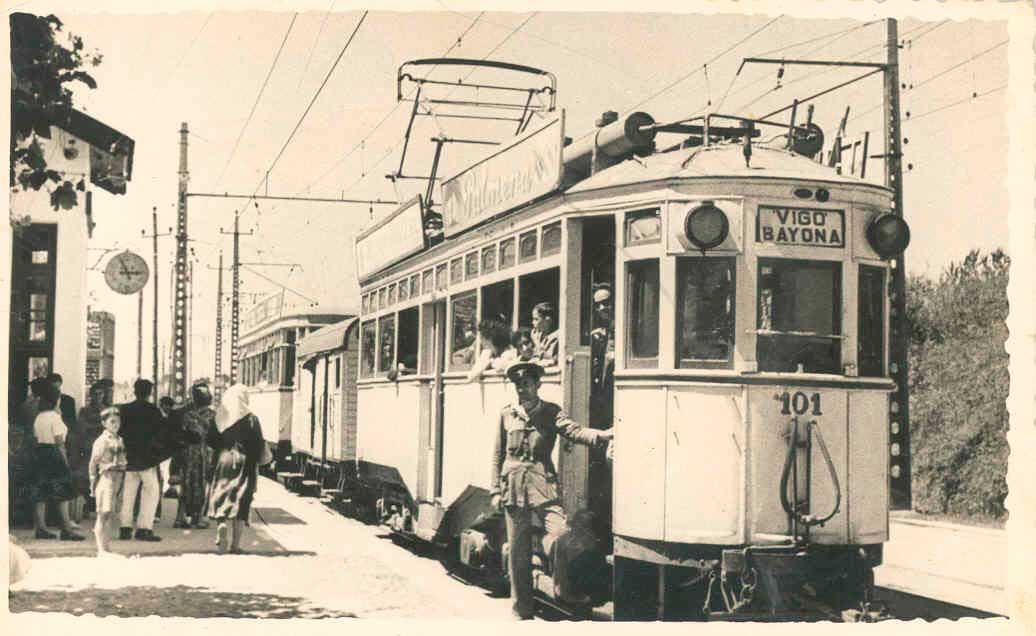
(395, 237)
(516, 173)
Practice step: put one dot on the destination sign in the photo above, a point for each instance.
(397, 236)
(800, 226)
(524, 169)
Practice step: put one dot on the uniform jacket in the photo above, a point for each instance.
(523, 471)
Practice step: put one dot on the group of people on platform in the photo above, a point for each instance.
(110, 457)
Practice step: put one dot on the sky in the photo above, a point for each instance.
(206, 68)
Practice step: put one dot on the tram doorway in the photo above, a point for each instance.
(585, 474)
(432, 365)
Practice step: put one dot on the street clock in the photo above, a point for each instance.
(126, 273)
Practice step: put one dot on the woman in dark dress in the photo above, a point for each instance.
(192, 465)
(238, 441)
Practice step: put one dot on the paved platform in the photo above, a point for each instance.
(952, 563)
(174, 541)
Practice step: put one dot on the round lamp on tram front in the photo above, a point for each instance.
(889, 235)
(706, 226)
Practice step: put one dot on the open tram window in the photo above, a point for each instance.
(705, 312)
(799, 316)
(871, 322)
(642, 285)
(498, 302)
(368, 348)
(409, 328)
(534, 289)
(387, 339)
(462, 341)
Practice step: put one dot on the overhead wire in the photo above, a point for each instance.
(258, 97)
(388, 115)
(309, 58)
(312, 101)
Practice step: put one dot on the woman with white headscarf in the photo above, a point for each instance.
(238, 441)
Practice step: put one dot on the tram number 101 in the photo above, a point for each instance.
(799, 403)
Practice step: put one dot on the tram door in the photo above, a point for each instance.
(586, 479)
(432, 364)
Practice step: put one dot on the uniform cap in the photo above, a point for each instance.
(522, 369)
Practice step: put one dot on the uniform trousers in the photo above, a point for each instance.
(147, 481)
(519, 521)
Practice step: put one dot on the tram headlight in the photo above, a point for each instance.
(889, 235)
(706, 226)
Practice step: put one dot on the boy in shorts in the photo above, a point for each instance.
(107, 465)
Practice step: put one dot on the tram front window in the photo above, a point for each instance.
(799, 316)
(705, 312)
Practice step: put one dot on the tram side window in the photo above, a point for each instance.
(871, 322)
(705, 312)
(462, 340)
(642, 285)
(799, 316)
(409, 328)
(536, 288)
(369, 348)
(387, 339)
(498, 302)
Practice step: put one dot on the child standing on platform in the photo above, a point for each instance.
(107, 465)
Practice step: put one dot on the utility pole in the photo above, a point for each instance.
(140, 328)
(189, 345)
(180, 303)
(217, 377)
(899, 345)
(154, 318)
(235, 301)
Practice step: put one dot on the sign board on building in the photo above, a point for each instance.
(397, 236)
(518, 172)
(781, 225)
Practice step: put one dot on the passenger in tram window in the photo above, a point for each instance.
(524, 480)
(521, 340)
(602, 357)
(497, 352)
(545, 333)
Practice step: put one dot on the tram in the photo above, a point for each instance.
(270, 334)
(750, 396)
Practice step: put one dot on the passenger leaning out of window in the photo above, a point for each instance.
(496, 349)
(545, 334)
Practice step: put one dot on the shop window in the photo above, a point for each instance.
(368, 348)
(552, 238)
(643, 289)
(462, 341)
(409, 330)
(705, 312)
(498, 302)
(387, 342)
(489, 259)
(527, 247)
(643, 227)
(38, 317)
(799, 316)
(456, 271)
(871, 322)
(507, 252)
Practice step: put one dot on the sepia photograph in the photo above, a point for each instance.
(716, 312)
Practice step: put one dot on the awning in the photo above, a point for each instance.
(324, 339)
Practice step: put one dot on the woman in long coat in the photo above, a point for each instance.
(192, 465)
(240, 448)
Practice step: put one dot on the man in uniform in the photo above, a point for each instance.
(524, 481)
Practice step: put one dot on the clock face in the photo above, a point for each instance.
(126, 273)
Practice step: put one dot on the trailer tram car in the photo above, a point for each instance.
(270, 334)
(750, 469)
(323, 430)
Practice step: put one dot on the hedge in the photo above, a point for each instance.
(958, 388)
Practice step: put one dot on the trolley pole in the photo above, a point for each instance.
(180, 304)
(899, 464)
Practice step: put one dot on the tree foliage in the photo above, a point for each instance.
(958, 388)
(45, 64)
